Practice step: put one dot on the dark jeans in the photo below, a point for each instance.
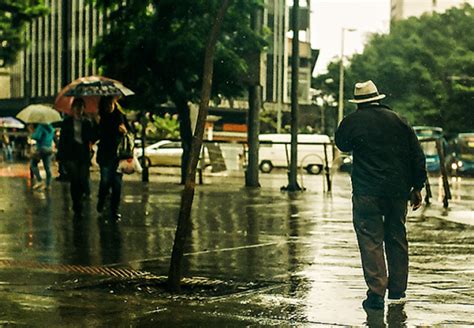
(378, 221)
(78, 173)
(110, 179)
(44, 155)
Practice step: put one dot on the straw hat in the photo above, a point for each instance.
(365, 92)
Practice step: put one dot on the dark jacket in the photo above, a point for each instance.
(387, 158)
(69, 149)
(110, 137)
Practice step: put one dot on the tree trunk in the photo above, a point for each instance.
(251, 174)
(255, 103)
(186, 134)
(184, 220)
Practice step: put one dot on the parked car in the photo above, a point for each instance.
(164, 153)
(460, 158)
(274, 151)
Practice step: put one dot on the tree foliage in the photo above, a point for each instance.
(157, 47)
(425, 66)
(14, 14)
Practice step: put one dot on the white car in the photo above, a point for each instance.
(163, 153)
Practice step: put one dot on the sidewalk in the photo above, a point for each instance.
(293, 258)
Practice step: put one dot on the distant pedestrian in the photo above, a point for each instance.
(7, 147)
(43, 134)
(388, 169)
(78, 133)
(112, 126)
(61, 167)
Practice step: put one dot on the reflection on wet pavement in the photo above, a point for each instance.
(294, 257)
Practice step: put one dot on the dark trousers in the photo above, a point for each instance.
(378, 221)
(78, 173)
(110, 179)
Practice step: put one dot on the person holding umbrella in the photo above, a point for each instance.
(43, 134)
(77, 135)
(41, 116)
(112, 126)
(102, 92)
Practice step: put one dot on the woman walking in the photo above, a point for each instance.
(43, 134)
(112, 126)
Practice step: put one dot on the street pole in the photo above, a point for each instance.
(295, 64)
(340, 103)
(145, 175)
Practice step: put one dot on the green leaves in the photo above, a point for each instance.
(14, 14)
(158, 48)
(425, 66)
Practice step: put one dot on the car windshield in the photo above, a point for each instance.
(429, 148)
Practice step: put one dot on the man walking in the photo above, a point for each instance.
(388, 169)
(77, 135)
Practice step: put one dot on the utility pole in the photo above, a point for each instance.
(340, 103)
(295, 64)
(145, 173)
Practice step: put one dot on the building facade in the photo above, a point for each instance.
(58, 51)
(277, 60)
(402, 9)
(60, 46)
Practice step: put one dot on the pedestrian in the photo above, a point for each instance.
(43, 134)
(112, 127)
(388, 170)
(7, 147)
(78, 133)
(62, 175)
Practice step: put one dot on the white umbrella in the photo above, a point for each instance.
(11, 122)
(39, 113)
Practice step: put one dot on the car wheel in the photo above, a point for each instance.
(266, 166)
(147, 161)
(314, 169)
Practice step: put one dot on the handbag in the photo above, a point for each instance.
(129, 166)
(126, 146)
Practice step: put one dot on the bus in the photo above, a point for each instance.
(433, 162)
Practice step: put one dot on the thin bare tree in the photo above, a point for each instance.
(184, 220)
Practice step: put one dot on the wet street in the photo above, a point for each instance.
(255, 257)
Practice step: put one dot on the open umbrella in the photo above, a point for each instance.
(11, 122)
(90, 88)
(39, 113)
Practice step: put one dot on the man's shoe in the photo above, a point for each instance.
(373, 301)
(396, 295)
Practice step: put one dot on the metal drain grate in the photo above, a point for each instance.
(69, 268)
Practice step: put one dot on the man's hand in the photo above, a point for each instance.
(415, 199)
